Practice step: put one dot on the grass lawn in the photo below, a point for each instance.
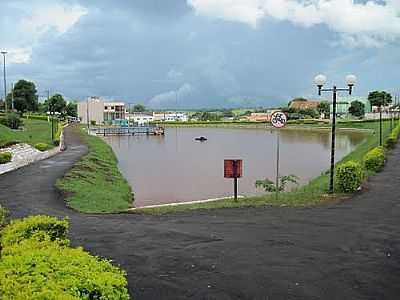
(35, 131)
(313, 193)
(95, 184)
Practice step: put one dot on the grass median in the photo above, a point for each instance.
(315, 192)
(95, 184)
(33, 132)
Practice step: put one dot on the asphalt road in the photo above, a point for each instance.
(340, 251)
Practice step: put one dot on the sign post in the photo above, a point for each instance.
(278, 120)
(233, 168)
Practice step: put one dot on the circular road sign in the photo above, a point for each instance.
(278, 119)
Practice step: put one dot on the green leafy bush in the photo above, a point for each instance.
(6, 144)
(5, 157)
(3, 216)
(11, 120)
(35, 269)
(391, 141)
(41, 146)
(93, 122)
(349, 176)
(38, 226)
(374, 160)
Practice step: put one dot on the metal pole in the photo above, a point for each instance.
(12, 96)
(5, 80)
(332, 173)
(87, 113)
(235, 181)
(51, 114)
(277, 165)
(380, 126)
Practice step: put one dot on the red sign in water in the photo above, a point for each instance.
(233, 168)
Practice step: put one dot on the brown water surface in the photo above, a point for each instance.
(176, 168)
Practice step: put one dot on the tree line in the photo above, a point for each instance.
(24, 98)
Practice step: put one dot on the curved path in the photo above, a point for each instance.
(338, 251)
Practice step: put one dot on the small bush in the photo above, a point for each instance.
(3, 216)
(46, 270)
(5, 157)
(349, 176)
(391, 141)
(41, 146)
(11, 120)
(38, 226)
(374, 160)
(93, 122)
(8, 144)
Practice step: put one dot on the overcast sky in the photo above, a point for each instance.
(211, 53)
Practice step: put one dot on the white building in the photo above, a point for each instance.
(170, 116)
(141, 118)
(95, 109)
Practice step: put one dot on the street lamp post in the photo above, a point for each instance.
(320, 81)
(5, 80)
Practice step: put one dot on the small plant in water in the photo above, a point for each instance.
(270, 186)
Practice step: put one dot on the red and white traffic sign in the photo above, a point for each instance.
(278, 119)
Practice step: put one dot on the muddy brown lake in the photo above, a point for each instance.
(177, 168)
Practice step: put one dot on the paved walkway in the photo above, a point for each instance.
(342, 251)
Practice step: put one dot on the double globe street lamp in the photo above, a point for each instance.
(320, 81)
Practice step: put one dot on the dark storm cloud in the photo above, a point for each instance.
(147, 51)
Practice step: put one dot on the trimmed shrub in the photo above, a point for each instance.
(46, 270)
(38, 226)
(93, 122)
(374, 160)
(5, 157)
(8, 144)
(391, 141)
(349, 176)
(41, 146)
(11, 120)
(3, 216)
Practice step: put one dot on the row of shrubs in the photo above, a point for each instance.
(37, 262)
(5, 157)
(351, 174)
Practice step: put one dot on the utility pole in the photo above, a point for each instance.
(5, 80)
(12, 96)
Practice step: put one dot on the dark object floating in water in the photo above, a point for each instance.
(201, 139)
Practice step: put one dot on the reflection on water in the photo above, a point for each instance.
(176, 168)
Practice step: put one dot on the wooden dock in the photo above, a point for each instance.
(131, 130)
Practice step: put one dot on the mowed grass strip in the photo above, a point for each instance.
(33, 132)
(95, 184)
(315, 192)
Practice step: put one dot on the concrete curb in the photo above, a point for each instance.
(181, 203)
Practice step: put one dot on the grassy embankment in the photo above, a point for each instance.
(95, 184)
(313, 193)
(34, 131)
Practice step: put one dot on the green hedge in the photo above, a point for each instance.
(37, 225)
(44, 268)
(42, 146)
(374, 160)
(37, 117)
(349, 176)
(5, 157)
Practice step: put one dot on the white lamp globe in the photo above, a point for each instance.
(351, 80)
(320, 80)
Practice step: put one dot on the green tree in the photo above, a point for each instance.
(56, 103)
(72, 109)
(357, 109)
(25, 97)
(139, 108)
(324, 108)
(379, 98)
